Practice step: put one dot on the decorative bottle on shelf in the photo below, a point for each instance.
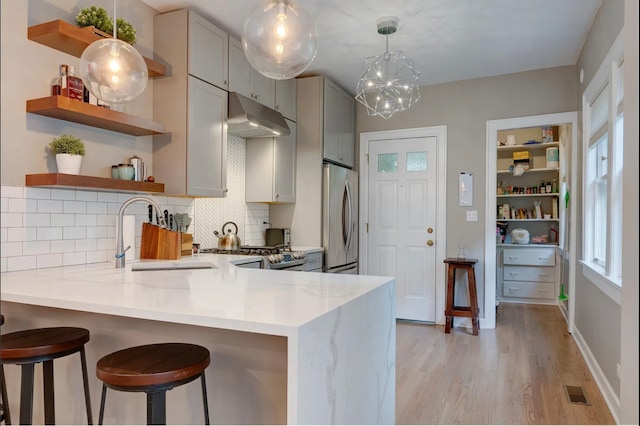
(55, 85)
(548, 187)
(543, 187)
(554, 186)
(64, 80)
(76, 87)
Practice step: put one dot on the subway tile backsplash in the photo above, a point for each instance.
(50, 227)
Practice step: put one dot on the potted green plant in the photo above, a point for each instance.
(98, 18)
(69, 151)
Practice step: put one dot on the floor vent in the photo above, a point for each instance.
(575, 395)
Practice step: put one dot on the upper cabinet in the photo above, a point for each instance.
(271, 168)
(286, 98)
(191, 157)
(326, 116)
(208, 50)
(339, 125)
(244, 79)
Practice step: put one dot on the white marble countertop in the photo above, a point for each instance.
(228, 297)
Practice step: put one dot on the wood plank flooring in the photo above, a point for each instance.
(514, 374)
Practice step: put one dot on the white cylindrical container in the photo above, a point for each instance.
(553, 158)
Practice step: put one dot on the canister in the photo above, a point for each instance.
(138, 168)
(553, 158)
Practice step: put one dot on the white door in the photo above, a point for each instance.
(402, 205)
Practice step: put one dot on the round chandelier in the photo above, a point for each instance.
(389, 82)
(280, 39)
(113, 70)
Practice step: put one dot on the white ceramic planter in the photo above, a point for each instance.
(69, 164)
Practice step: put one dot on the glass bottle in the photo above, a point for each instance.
(548, 187)
(554, 186)
(64, 82)
(76, 87)
(55, 86)
(543, 187)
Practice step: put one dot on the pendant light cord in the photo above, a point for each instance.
(115, 25)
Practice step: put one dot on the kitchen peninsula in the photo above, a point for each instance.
(286, 347)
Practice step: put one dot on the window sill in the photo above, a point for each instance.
(607, 286)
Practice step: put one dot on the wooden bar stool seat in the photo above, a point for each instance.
(154, 369)
(451, 309)
(29, 347)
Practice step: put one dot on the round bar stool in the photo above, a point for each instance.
(29, 347)
(153, 369)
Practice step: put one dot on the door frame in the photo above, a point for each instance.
(439, 132)
(490, 268)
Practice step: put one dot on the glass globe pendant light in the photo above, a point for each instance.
(112, 70)
(280, 39)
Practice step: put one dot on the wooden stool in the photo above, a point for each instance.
(451, 309)
(29, 347)
(153, 369)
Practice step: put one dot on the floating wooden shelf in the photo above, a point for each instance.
(94, 182)
(72, 39)
(84, 113)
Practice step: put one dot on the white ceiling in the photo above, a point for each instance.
(449, 40)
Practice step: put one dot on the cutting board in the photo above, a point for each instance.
(159, 243)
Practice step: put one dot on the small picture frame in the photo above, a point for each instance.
(549, 134)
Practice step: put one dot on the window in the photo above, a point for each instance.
(603, 121)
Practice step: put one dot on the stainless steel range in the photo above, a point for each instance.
(273, 257)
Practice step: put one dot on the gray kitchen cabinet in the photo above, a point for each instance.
(208, 51)
(286, 98)
(204, 46)
(191, 156)
(244, 79)
(270, 175)
(529, 274)
(338, 124)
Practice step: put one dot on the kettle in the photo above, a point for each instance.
(229, 239)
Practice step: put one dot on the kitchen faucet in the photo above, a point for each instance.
(120, 250)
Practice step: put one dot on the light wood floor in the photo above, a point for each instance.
(514, 374)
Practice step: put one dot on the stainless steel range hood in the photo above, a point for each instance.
(250, 119)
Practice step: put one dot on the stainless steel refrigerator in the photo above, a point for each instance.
(340, 219)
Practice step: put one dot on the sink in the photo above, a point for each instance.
(170, 265)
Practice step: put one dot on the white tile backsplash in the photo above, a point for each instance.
(21, 263)
(49, 227)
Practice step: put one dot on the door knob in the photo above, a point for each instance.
(430, 230)
(429, 243)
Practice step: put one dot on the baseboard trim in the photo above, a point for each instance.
(610, 397)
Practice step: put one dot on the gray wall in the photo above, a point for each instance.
(464, 107)
(597, 317)
(26, 71)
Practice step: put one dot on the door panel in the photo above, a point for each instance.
(402, 206)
